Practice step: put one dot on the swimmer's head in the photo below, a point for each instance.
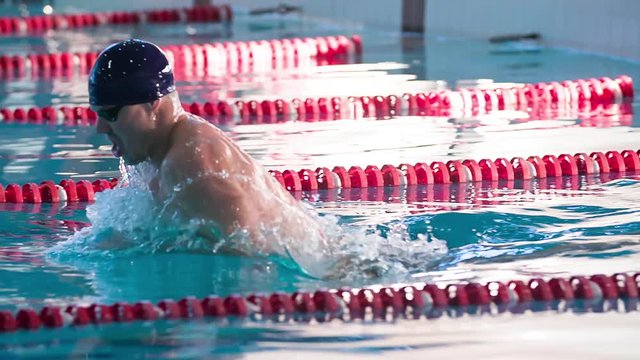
(130, 72)
(127, 87)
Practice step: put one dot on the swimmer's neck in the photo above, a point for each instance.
(163, 138)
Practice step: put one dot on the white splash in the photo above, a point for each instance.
(126, 220)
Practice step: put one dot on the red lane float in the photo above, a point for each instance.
(39, 23)
(429, 198)
(599, 111)
(469, 195)
(318, 109)
(219, 58)
(454, 171)
(388, 303)
(49, 192)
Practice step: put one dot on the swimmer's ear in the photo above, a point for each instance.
(155, 105)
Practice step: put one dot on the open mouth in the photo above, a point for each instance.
(115, 149)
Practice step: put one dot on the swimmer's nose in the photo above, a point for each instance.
(102, 127)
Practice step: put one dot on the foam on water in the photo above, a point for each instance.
(127, 221)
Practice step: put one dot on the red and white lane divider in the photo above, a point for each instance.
(454, 195)
(421, 173)
(597, 292)
(581, 93)
(247, 113)
(242, 57)
(50, 192)
(37, 24)
(354, 107)
(459, 171)
(436, 103)
(220, 58)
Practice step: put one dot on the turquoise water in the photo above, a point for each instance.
(579, 225)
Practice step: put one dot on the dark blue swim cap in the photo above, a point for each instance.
(130, 72)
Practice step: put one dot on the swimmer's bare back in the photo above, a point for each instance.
(208, 177)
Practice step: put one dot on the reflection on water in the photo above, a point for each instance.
(518, 234)
(499, 232)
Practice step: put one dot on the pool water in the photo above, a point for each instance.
(478, 232)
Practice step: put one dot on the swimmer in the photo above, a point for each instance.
(202, 174)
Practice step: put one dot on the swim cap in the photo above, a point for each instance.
(130, 72)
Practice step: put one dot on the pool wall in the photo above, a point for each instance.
(607, 27)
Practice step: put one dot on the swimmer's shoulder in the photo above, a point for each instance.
(191, 133)
(195, 144)
(191, 127)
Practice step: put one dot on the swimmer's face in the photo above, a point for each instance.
(129, 128)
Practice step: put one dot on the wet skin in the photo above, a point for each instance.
(204, 175)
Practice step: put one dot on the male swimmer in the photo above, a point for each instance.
(202, 175)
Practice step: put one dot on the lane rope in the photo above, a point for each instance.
(598, 107)
(12, 25)
(214, 59)
(416, 301)
(424, 198)
(372, 176)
